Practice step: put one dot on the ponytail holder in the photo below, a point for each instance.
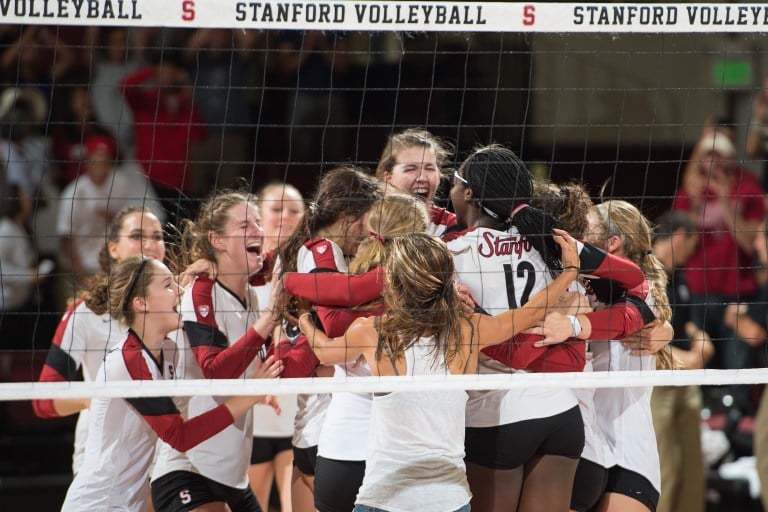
(517, 210)
(377, 236)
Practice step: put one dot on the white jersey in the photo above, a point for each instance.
(624, 414)
(415, 455)
(345, 430)
(266, 422)
(314, 256)
(82, 340)
(121, 443)
(210, 309)
(503, 271)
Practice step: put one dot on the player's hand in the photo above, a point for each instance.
(569, 253)
(270, 368)
(555, 328)
(201, 266)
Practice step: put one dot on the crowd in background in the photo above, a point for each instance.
(159, 119)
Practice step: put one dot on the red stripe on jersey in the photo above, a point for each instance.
(336, 289)
(299, 360)
(322, 252)
(134, 362)
(183, 435)
(44, 408)
(453, 235)
(336, 321)
(520, 354)
(202, 300)
(229, 363)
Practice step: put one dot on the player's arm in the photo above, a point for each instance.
(358, 340)
(61, 365)
(336, 289)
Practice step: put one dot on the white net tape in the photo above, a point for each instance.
(232, 387)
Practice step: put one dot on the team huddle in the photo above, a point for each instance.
(374, 279)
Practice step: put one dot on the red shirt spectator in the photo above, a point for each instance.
(165, 122)
(727, 204)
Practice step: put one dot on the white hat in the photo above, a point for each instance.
(718, 143)
(32, 97)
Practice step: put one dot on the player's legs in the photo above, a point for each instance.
(548, 483)
(494, 490)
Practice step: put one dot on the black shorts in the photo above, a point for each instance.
(636, 486)
(266, 449)
(181, 491)
(337, 483)
(588, 485)
(512, 445)
(305, 459)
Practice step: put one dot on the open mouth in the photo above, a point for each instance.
(254, 248)
(424, 194)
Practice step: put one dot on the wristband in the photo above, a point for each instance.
(575, 325)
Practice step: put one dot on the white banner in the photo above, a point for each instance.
(406, 16)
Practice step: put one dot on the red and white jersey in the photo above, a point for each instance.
(123, 433)
(218, 342)
(316, 255)
(440, 219)
(624, 414)
(81, 342)
(503, 271)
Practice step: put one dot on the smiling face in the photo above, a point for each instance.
(239, 245)
(281, 208)
(140, 235)
(161, 301)
(415, 171)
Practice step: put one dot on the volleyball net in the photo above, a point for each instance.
(597, 93)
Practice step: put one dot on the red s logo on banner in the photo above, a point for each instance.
(188, 10)
(529, 15)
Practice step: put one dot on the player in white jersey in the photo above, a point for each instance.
(224, 332)
(523, 445)
(281, 207)
(83, 338)
(329, 234)
(143, 295)
(412, 162)
(342, 443)
(624, 414)
(415, 454)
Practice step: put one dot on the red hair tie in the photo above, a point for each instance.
(377, 236)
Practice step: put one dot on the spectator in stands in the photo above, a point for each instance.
(750, 322)
(166, 124)
(727, 209)
(21, 109)
(37, 58)
(89, 203)
(73, 122)
(677, 409)
(113, 60)
(218, 60)
(19, 273)
(315, 62)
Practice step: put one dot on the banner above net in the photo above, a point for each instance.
(395, 16)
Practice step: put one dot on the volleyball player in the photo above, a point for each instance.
(83, 338)
(224, 332)
(522, 445)
(624, 414)
(415, 455)
(342, 444)
(328, 235)
(143, 295)
(281, 207)
(412, 162)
